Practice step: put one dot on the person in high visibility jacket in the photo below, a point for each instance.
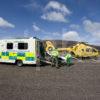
(54, 58)
(68, 59)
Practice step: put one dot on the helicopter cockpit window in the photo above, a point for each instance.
(87, 50)
(93, 50)
(83, 50)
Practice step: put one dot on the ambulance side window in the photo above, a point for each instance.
(9, 45)
(22, 46)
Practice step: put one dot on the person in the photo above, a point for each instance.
(54, 58)
(68, 58)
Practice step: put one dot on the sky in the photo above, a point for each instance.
(75, 20)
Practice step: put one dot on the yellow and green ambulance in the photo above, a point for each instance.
(21, 51)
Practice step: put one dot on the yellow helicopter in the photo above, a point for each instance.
(79, 50)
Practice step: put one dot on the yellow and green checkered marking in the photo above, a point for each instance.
(26, 56)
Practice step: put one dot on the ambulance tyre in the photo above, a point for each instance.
(19, 63)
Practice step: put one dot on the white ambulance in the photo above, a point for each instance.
(21, 51)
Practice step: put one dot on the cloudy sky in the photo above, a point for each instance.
(77, 20)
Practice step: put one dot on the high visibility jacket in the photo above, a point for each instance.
(68, 56)
(54, 53)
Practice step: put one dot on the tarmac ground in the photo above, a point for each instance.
(80, 81)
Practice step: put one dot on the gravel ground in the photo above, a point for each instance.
(80, 81)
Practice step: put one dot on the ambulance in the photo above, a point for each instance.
(21, 51)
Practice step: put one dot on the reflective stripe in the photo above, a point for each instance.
(5, 57)
(68, 56)
(12, 54)
(54, 53)
(29, 58)
(29, 54)
(21, 58)
(12, 57)
(26, 56)
(21, 54)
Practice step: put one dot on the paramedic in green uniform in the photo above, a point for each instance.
(54, 58)
(68, 59)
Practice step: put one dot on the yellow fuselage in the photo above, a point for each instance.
(79, 50)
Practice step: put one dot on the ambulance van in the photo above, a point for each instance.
(21, 51)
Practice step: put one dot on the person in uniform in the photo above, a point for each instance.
(68, 58)
(54, 58)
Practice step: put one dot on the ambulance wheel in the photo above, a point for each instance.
(19, 63)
